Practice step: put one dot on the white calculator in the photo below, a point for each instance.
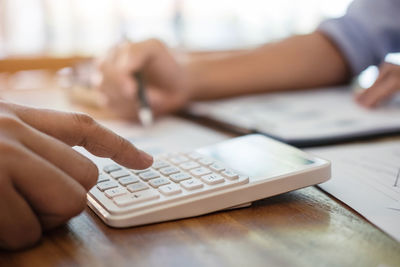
(230, 174)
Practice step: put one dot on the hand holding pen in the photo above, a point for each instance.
(126, 91)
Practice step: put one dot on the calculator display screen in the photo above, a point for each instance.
(257, 156)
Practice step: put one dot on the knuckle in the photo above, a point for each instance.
(83, 120)
(122, 142)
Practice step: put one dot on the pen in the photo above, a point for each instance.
(145, 113)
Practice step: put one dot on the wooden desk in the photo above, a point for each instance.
(301, 228)
(15, 64)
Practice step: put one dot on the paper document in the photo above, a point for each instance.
(304, 118)
(366, 177)
(168, 134)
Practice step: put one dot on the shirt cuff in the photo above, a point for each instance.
(351, 41)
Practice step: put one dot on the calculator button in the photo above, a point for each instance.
(189, 165)
(230, 174)
(136, 198)
(107, 185)
(200, 171)
(102, 178)
(244, 178)
(217, 167)
(169, 170)
(212, 179)
(149, 175)
(119, 174)
(191, 184)
(170, 189)
(128, 180)
(177, 177)
(140, 171)
(111, 168)
(158, 164)
(137, 187)
(206, 161)
(194, 155)
(159, 182)
(178, 159)
(115, 192)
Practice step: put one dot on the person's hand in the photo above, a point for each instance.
(43, 181)
(163, 76)
(385, 86)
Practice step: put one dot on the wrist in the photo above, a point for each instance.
(193, 76)
(193, 79)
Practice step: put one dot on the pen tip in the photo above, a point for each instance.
(145, 117)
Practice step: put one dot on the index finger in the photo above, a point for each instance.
(78, 129)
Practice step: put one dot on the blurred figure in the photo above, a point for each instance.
(337, 51)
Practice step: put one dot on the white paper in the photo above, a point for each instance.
(364, 177)
(320, 113)
(168, 134)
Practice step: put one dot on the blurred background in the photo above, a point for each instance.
(89, 27)
(51, 34)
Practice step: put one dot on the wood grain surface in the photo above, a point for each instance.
(301, 228)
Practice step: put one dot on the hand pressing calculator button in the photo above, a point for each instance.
(213, 178)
